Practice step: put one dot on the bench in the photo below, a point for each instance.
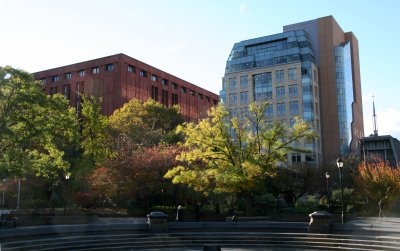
(7, 218)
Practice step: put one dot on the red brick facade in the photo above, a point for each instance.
(119, 78)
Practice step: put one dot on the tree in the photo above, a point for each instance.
(95, 142)
(294, 181)
(145, 124)
(103, 183)
(232, 154)
(377, 180)
(35, 128)
(136, 176)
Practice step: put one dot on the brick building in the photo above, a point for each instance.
(119, 78)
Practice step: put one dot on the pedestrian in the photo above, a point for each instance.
(381, 205)
(197, 212)
(179, 213)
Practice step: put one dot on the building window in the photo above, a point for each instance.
(54, 78)
(80, 87)
(233, 98)
(262, 86)
(232, 84)
(306, 72)
(153, 78)
(65, 91)
(192, 93)
(279, 76)
(244, 98)
(154, 93)
(109, 67)
(292, 74)
(233, 112)
(280, 92)
(315, 76)
(164, 97)
(143, 73)
(174, 86)
(174, 99)
(131, 68)
(315, 92)
(80, 91)
(183, 89)
(244, 112)
(208, 99)
(281, 109)
(43, 80)
(68, 75)
(200, 96)
(244, 83)
(82, 73)
(294, 107)
(293, 91)
(308, 111)
(307, 92)
(215, 102)
(296, 157)
(164, 82)
(96, 70)
(269, 111)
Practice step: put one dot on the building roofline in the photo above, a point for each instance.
(121, 55)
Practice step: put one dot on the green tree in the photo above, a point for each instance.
(295, 180)
(95, 140)
(35, 128)
(145, 123)
(233, 154)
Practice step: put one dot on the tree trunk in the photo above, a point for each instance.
(249, 204)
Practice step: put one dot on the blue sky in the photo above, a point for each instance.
(192, 39)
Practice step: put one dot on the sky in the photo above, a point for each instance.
(192, 39)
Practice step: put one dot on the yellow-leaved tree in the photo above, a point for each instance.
(234, 154)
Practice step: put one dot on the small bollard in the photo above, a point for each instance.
(157, 222)
(320, 221)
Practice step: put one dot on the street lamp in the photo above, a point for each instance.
(4, 191)
(65, 192)
(327, 176)
(339, 163)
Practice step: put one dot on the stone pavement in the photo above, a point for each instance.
(387, 225)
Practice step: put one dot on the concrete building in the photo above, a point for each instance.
(384, 147)
(310, 71)
(119, 78)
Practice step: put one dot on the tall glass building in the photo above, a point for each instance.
(310, 71)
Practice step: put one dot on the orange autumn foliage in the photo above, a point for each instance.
(377, 180)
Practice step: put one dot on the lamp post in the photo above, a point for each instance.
(19, 193)
(65, 193)
(339, 163)
(327, 176)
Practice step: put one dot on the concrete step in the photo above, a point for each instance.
(197, 240)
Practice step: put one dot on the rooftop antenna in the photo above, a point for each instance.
(374, 117)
